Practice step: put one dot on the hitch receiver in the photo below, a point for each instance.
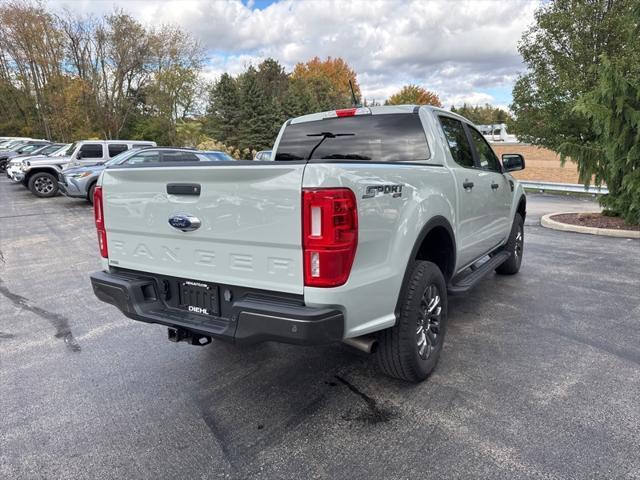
(182, 335)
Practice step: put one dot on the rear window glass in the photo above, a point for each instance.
(179, 157)
(91, 150)
(385, 138)
(116, 148)
(216, 156)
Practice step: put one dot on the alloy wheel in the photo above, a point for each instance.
(519, 243)
(428, 329)
(43, 185)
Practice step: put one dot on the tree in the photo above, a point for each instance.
(223, 110)
(571, 86)
(300, 100)
(328, 81)
(33, 49)
(562, 50)
(273, 80)
(256, 112)
(483, 114)
(613, 110)
(414, 95)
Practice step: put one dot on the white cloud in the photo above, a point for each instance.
(456, 48)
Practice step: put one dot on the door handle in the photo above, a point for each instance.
(183, 189)
(494, 186)
(467, 185)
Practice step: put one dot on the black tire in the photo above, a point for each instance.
(92, 189)
(410, 350)
(43, 184)
(515, 245)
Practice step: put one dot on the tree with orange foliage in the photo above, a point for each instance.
(414, 95)
(328, 81)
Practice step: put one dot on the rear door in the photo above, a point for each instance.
(494, 188)
(250, 217)
(471, 241)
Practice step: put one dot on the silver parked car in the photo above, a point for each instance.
(79, 182)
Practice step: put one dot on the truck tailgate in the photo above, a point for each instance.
(250, 216)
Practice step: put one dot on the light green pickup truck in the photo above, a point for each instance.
(362, 223)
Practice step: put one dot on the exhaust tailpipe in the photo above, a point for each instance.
(364, 344)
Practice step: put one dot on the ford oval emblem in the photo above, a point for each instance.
(184, 222)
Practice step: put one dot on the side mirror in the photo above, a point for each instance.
(512, 162)
(79, 154)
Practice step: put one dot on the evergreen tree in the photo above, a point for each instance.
(299, 99)
(273, 80)
(562, 50)
(223, 111)
(579, 96)
(256, 114)
(613, 109)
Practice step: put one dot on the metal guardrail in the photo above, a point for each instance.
(564, 187)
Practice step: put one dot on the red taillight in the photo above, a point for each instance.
(329, 235)
(98, 213)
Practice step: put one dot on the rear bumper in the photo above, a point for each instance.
(251, 315)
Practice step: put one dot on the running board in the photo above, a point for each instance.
(464, 283)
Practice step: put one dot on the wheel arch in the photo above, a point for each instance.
(435, 243)
(522, 206)
(91, 184)
(32, 172)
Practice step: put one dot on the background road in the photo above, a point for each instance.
(539, 377)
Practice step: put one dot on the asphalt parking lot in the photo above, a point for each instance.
(539, 377)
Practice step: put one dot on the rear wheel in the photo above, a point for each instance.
(410, 350)
(515, 245)
(90, 195)
(43, 184)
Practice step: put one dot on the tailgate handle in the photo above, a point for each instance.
(184, 189)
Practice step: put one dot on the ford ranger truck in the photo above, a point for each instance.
(356, 231)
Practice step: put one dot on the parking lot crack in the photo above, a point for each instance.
(623, 354)
(376, 413)
(59, 322)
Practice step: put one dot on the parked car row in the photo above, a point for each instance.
(73, 169)
(11, 147)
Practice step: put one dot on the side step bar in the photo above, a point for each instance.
(465, 282)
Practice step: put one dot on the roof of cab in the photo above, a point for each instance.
(380, 110)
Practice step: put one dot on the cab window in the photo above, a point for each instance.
(143, 157)
(457, 141)
(116, 148)
(91, 150)
(486, 158)
(179, 157)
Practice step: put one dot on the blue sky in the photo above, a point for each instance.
(464, 50)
